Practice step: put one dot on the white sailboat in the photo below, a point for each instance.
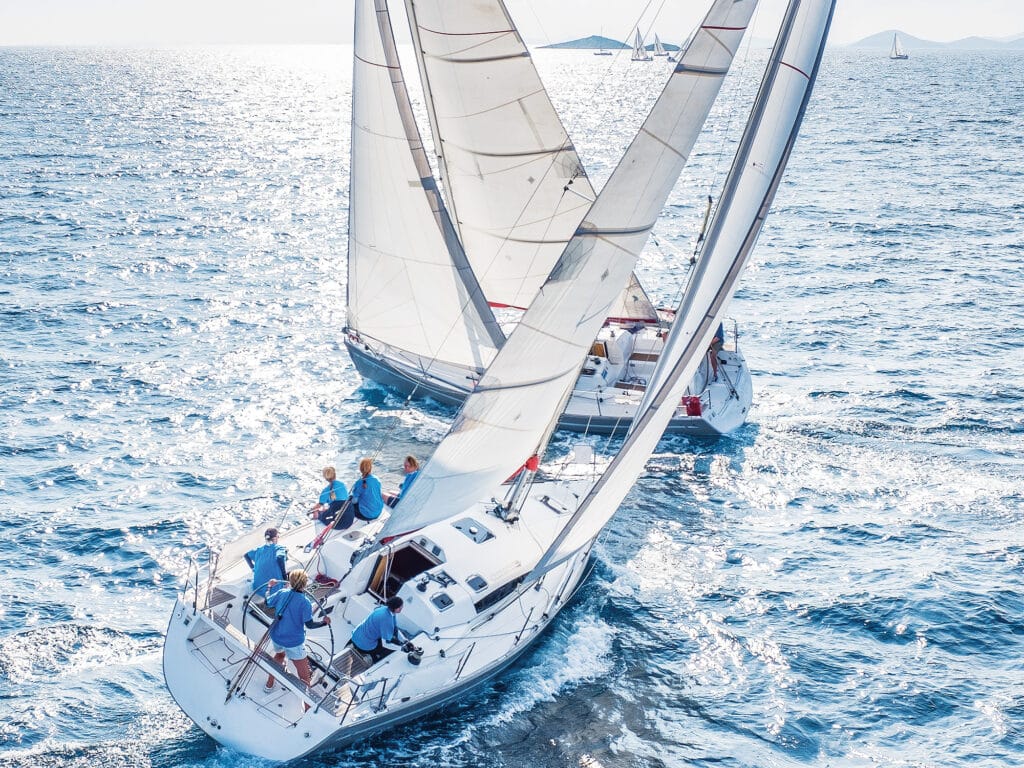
(659, 49)
(484, 566)
(517, 191)
(640, 52)
(897, 51)
(602, 51)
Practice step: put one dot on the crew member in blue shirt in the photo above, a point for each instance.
(332, 499)
(366, 495)
(412, 469)
(294, 615)
(267, 562)
(377, 629)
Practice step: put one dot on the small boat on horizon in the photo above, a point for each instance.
(640, 52)
(897, 51)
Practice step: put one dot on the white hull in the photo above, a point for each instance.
(463, 646)
(604, 401)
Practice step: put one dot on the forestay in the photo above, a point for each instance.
(398, 248)
(519, 398)
(748, 193)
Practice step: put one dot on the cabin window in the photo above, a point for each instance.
(442, 601)
(498, 595)
(392, 571)
(477, 583)
(474, 530)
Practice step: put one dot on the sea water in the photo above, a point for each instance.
(837, 583)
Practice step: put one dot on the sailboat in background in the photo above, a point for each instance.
(659, 49)
(517, 192)
(602, 51)
(483, 565)
(897, 51)
(639, 51)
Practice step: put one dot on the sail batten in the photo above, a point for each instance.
(748, 193)
(514, 408)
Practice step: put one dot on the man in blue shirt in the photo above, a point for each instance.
(378, 628)
(267, 562)
(366, 495)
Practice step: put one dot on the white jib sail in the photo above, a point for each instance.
(397, 250)
(519, 398)
(747, 195)
(504, 155)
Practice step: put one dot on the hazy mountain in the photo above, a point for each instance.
(883, 41)
(594, 41)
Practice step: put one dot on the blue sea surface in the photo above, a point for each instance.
(839, 583)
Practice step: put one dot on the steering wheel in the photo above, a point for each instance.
(320, 607)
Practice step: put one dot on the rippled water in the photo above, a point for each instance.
(839, 583)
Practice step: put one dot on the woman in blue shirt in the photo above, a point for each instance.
(412, 469)
(366, 496)
(267, 562)
(332, 500)
(294, 615)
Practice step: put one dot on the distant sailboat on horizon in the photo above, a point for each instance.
(897, 51)
(659, 49)
(602, 51)
(639, 51)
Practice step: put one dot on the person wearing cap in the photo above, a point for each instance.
(267, 562)
(377, 635)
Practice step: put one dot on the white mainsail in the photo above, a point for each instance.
(659, 49)
(401, 244)
(747, 195)
(510, 414)
(514, 183)
(897, 51)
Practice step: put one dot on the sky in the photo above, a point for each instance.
(141, 22)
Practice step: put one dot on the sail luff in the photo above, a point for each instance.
(519, 398)
(428, 99)
(796, 55)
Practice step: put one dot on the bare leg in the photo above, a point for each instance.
(302, 667)
(279, 658)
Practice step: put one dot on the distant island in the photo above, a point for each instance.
(606, 43)
(881, 41)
